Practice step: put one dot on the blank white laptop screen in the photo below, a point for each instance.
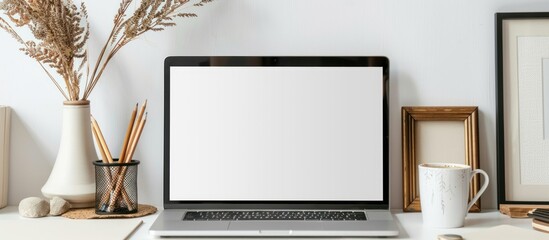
(276, 134)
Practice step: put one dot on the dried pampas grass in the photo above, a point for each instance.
(61, 31)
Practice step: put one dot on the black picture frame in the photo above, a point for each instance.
(502, 130)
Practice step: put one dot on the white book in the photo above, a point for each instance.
(4, 153)
(54, 228)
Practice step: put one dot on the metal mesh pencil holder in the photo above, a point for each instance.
(116, 187)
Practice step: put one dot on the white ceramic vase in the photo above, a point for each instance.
(72, 177)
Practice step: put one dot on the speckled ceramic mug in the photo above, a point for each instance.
(444, 191)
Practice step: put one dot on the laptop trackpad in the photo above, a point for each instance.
(269, 227)
(201, 225)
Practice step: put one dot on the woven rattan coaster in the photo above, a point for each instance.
(89, 213)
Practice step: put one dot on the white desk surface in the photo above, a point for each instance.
(410, 224)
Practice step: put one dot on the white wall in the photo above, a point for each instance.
(441, 53)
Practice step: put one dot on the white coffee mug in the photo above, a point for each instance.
(444, 191)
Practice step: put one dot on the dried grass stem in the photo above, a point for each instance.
(61, 31)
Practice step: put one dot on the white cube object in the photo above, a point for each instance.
(4, 153)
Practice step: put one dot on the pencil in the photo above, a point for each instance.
(135, 140)
(98, 142)
(106, 171)
(134, 128)
(102, 140)
(128, 134)
(120, 178)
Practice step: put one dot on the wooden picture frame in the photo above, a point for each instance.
(453, 129)
(522, 111)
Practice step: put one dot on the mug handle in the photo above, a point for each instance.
(482, 189)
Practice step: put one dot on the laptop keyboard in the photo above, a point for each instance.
(274, 215)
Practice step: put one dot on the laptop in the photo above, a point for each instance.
(276, 147)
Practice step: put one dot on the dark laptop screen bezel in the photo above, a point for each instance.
(264, 61)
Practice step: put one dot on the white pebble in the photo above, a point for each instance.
(58, 206)
(34, 207)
